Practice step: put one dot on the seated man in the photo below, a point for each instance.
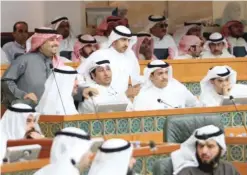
(216, 47)
(157, 27)
(84, 47)
(113, 158)
(70, 153)
(161, 90)
(62, 26)
(60, 87)
(200, 154)
(100, 77)
(20, 121)
(220, 81)
(234, 32)
(18, 46)
(189, 47)
(144, 47)
(105, 28)
(25, 78)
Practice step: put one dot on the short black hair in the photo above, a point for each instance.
(19, 22)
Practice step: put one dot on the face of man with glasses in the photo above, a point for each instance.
(159, 29)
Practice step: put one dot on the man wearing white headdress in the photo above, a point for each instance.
(161, 90)
(113, 157)
(200, 154)
(158, 28)
(60, 87)
(216, 47)
(100, 77)
(124, 63)
(220, 81)
(62, 26)
(20, 121)
(70, 153)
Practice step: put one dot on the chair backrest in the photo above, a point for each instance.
(161, 54)
(66, 54)
(163, 167)
(239, 51)
(178, 129)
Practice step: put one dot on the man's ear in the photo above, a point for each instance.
(212, 82)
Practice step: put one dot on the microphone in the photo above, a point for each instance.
(242, 116)
(161, 101)
(51, 67)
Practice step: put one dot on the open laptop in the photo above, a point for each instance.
(237, 100)
(23, 153)
(111, 107)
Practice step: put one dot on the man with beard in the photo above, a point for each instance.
(216, 47)
(200, 154)
(84, 47)
(20, 121)
(17, 47)
(157, 27)
(220, 82)
(234, 32)
(161, 91)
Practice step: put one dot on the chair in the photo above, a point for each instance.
(163, 167)
(66, 54)
(161, 54)
(178, 129)
(239, 51)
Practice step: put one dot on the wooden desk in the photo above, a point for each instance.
(188, 71)
(145, 157)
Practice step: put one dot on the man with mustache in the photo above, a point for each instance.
(161, 90)
(100, 77)
(157, 27)
(220, 82)
(216, 47)
(200, 154)
(123, 61)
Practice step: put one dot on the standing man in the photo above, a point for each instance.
(17, 47)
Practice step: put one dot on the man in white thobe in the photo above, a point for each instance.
(70, 153)
(157, 27)
(216, 47)
(100, 77)
(220, 81)
(123, 61)
(20, 121)
(60, 87)
(62, 26)
(200, 154)
(234, 33)
(113, 157)
(161, 90)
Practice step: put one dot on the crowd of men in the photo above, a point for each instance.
(109, 73)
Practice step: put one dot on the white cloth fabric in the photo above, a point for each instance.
(3, 145)
(175, 94)
(107, 94)
(209, 97)
(66, 44)
(114, 161)
(208, 55)
(152, 23)
(183, 57)
(164, 43)
(237, 42)
(64, 149)
(51, 103)
(102, 40)
(124, 65)
(186, 155)
(4, 58)
(13, 123)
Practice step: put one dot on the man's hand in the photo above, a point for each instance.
(226, 90)
(31, 96)
(133, 91)
(87, 91)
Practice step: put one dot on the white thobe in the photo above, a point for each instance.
(102, 40)
(67, 44)
(107, 95)
(209, 55)
(174, 94)
(211, 98)
(123, 66)
(164, 43)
